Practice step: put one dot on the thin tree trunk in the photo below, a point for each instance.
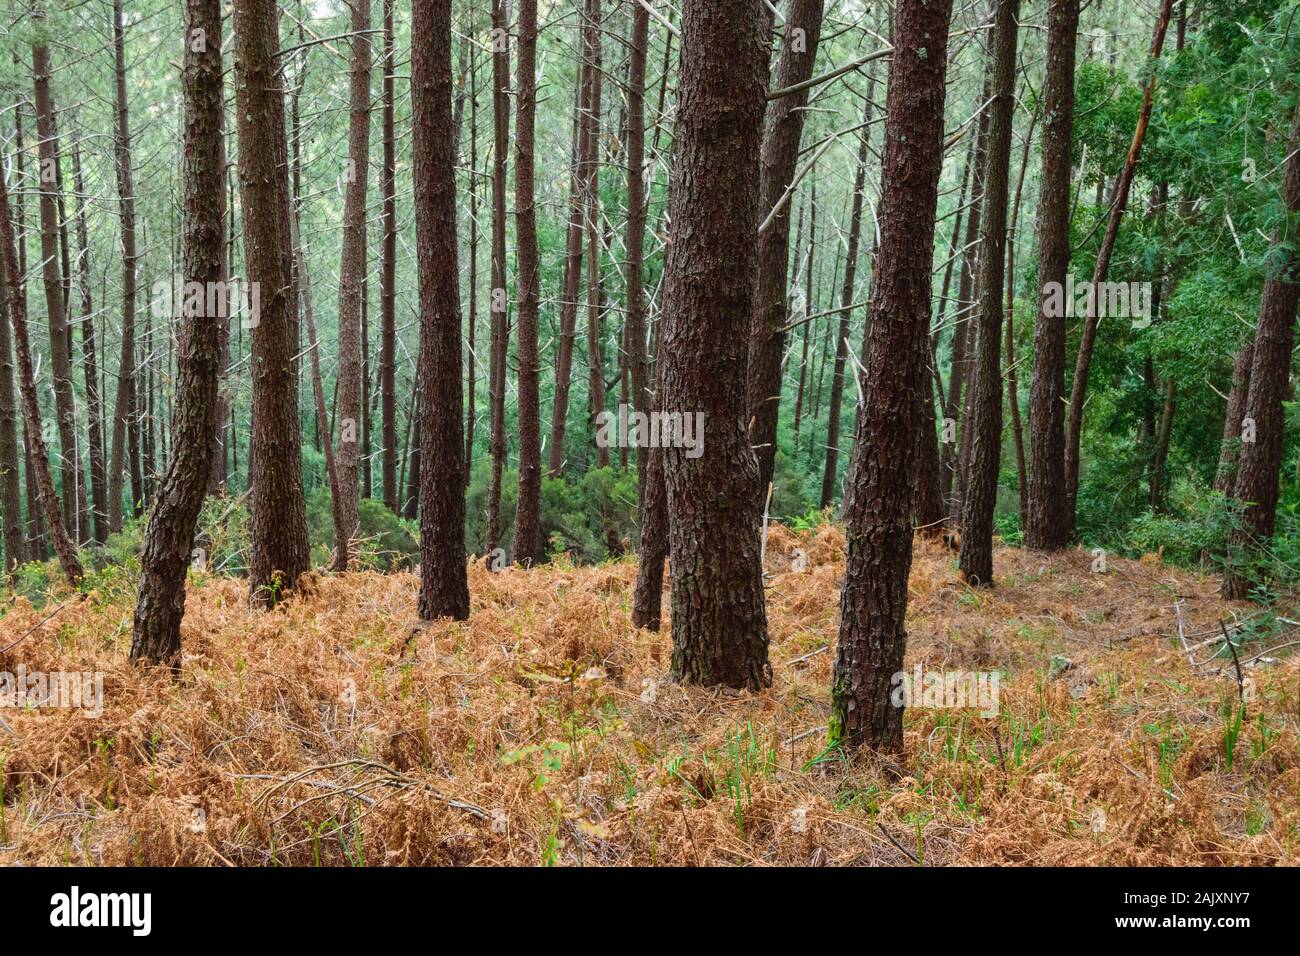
(976, 561)
(529, 545)
(125, 398)
(500, 313)
(90, 359)
(50, 189)
(38, 463)
(160, 604)
(1088, 339)
(636, 224)
(830, 472)
(11, 501)
(595, 358)
(388, 281)
(572, 266)
(782, 132)
(1013, 377)
(352, 270)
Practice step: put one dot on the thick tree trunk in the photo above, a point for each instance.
(529, 546)
(1088, 339)
(444, 591)
(719, 619)
(1263, 431)
(38, 463)
(279, 519)
(1047, 525)
(352, 271)
(873, 602)
(124, 418)
(782, 132)
(160, 604)
(981, 494)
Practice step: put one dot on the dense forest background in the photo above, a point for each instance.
(1205, 202)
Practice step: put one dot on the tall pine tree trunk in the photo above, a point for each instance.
(279, 519)
(719, 618)
(160, 604)
(782, 132)
(443, 588)
(1258, 472)
(1047, 526)
(873, 602)
(529, 546)
(352, 271)
(976, 561)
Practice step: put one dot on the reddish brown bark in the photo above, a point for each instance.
(444, 591)
(719, 619)
(873, 602)
(160, 604)
(279, 519)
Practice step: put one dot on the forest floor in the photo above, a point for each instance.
(546, 729)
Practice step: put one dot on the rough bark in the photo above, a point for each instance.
(1226, 475)
(279, 519)
(529, 545)
(90, 360)
(595, 355)
(782, 132)
(499, 312)
(49, 189)
(38, 464)
(1258, 472)
(719, 622)
(1047, 526)
(873, 602)
(160, 604)
(636, 224)
(11, 502)
(352, 271)
(388, 281)
(976, 561)
(125, 397)
(444, 591)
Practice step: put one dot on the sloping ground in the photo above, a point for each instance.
(546, 730)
